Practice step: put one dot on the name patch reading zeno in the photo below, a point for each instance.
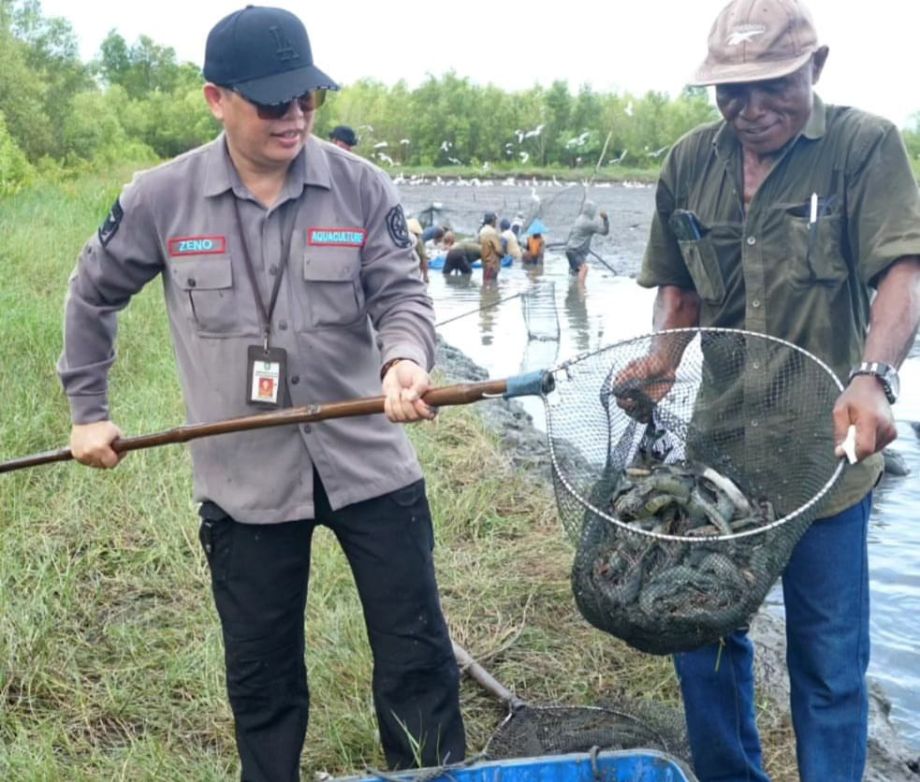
(336, 237)
(197, 245)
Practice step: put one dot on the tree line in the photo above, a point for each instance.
(137, 102)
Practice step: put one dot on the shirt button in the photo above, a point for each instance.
(754, 423)
(755, 303)
(191, 282)
(756, 365)
(751, 241)
(282, 325)
(307, 428)
(273, 270)
(295, 379)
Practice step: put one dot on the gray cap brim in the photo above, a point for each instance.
(713, 74)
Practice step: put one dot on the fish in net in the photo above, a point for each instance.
(687, 465)
(705, 415)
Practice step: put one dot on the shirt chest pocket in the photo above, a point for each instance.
(814, 247)
(205, 288)
(702, 262)
(332, 286)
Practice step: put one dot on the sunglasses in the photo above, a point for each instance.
(309, 101)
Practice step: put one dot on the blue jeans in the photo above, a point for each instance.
(826, 594)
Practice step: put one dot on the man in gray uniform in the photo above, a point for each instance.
(578, 245)
(289, 278)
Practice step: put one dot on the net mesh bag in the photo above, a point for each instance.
(532, 731)
(539, 308)
(687, 465)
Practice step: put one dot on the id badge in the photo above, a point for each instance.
(265, 375)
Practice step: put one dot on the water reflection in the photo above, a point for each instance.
(576, 310)
(489, 295)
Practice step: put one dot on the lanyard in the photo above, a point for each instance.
(287, 234)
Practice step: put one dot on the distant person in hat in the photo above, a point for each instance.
(289, 277)
(491, 248)
(534, 243)
(800, 220)
(589, 222)
(509, 239)
(343, 136)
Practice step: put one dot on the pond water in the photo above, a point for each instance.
(612, 307)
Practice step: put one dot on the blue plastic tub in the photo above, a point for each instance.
(438, 262)
(636, 765)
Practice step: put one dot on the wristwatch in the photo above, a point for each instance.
(886, 374)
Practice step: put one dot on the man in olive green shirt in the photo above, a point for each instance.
(782, 219)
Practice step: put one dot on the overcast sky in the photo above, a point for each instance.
(626, 46)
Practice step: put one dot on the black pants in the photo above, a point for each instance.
(259, 576)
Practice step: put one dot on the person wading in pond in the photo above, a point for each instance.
(588, 223)
(289, 277)
(490, 246)
(783, 218)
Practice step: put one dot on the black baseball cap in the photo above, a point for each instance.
(264, 54)
(344, 134)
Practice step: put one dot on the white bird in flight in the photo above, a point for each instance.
(535, 132)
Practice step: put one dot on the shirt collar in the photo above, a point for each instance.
(817, 122)
(309, 169)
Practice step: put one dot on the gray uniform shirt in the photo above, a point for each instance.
(351, 299)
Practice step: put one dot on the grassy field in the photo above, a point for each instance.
(110, 656)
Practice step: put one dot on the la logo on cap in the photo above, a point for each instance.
(285, 50)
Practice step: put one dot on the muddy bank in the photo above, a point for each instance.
(527, 449)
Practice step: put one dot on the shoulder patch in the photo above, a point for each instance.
(110, 227)
(397, 228)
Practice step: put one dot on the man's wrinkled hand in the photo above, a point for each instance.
(91, 444)
(403, 386)
(642, 384)
(864, 405)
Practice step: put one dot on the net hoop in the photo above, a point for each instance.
(565, 367)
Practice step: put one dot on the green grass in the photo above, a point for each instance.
(110, 656)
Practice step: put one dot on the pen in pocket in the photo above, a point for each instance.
(812, 235)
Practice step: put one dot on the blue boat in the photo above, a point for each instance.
(438, 262)
(635, 765)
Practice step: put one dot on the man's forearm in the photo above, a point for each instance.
(675, 308)
(895, 313)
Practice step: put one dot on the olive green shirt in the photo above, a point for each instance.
(769, 271)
